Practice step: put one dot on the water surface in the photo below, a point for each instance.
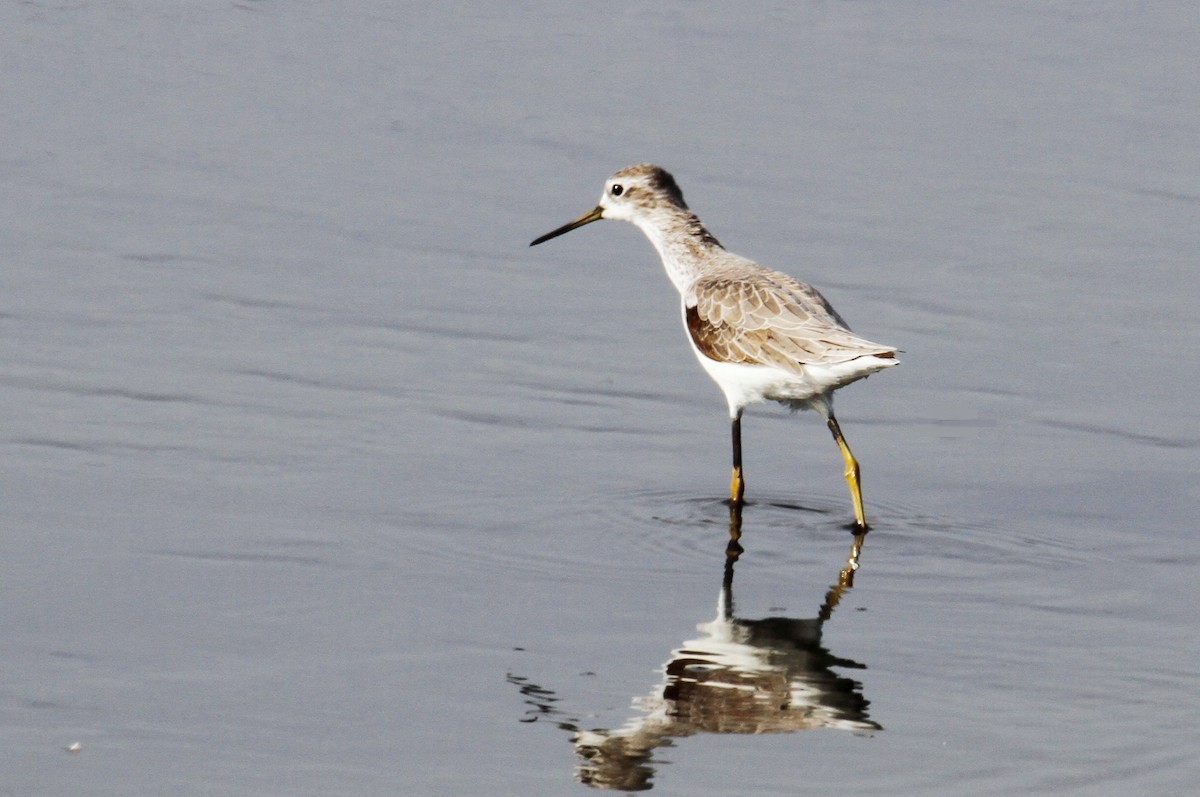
(316, 480)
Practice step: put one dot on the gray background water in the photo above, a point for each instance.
(308, 464)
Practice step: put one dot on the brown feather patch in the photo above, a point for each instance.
(715, 340)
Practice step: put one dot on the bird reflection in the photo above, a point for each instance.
(741, 676)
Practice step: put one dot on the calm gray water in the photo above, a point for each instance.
(316, 480)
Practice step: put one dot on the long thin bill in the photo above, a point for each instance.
(595, 214)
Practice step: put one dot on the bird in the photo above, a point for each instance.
(761, 334)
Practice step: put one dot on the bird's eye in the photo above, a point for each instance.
(617, 189)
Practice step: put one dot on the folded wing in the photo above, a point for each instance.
(770, 319)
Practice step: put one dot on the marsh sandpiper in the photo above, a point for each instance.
(760, 334)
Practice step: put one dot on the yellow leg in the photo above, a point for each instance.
(852, 473)
(737, 485)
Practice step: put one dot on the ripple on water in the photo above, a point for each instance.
(781, 528)
(629, 535)
(555, 541)
(674, 532)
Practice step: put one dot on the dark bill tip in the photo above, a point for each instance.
(595, 214)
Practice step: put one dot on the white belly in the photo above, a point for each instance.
(811, 388)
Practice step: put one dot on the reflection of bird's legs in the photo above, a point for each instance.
(845, 577)
(734, 549)
(852, 473)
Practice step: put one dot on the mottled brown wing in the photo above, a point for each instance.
(770, 319)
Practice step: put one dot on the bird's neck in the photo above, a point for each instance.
(682, 242)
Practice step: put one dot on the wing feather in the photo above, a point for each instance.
(768, 318)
